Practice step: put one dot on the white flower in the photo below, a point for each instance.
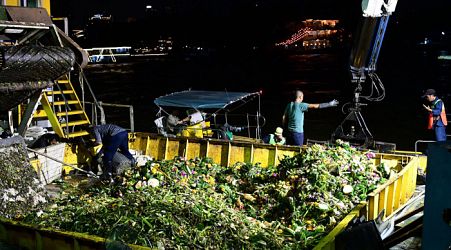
(5, 197)
(153, 182)
(20, 198)
(347, 189)
(323, 206)
(11, 191)
(38, 199)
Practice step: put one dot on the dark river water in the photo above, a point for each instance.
(324, 76)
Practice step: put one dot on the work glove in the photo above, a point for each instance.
(332, 103)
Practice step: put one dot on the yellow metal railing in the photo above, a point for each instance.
(392, 195)
(222, 152)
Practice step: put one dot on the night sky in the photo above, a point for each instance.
(245, 21)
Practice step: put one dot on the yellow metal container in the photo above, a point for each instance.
(31, 237)
(390, 196)
(393, 194)
(222, 152)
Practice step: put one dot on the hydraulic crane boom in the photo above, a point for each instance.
(363, 60)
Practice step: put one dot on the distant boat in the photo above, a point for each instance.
(314, 36)
(129, 53)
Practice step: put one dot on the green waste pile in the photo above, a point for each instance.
(20, 189)
(198, 204)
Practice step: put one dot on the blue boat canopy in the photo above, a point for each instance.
(198, 99)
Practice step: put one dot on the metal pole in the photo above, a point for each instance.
(248, 126)
(94, 113)
(66, 25)
(258, 118)
(11, 121)
(132, 120)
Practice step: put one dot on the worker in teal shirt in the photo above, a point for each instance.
(294, 116)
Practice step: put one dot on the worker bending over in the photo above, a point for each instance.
(112, 138)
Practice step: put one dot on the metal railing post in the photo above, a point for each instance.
(132, 119)
(100, 105)
(421, 141)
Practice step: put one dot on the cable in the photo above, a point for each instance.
(377, 92)
(343, 107)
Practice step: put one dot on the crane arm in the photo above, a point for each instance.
(369, 37)
(363, 60)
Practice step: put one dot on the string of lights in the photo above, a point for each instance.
(296, 37)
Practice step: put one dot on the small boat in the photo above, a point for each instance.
(210, 114)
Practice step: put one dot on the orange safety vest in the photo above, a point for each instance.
(442, 115)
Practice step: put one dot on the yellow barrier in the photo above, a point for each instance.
(390, 196)
(393, 194)
(31, 237)
(222, 152)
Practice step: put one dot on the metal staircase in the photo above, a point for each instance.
(63, 109)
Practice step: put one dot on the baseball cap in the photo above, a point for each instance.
(429, 92)
(279, 131)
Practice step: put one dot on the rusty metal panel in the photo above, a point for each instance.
(33, 15)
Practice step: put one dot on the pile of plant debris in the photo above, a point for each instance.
(199, 204)
(20, 189)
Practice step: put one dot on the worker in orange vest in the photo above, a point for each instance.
(437, 115)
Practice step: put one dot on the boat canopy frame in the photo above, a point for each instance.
(212, 100)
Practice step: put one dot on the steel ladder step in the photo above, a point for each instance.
(63, 102)
(78, 134)
(40, 113)
(74, 123)
(73, 112)
(58, 92)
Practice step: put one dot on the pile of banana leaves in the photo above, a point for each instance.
(198, 204)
